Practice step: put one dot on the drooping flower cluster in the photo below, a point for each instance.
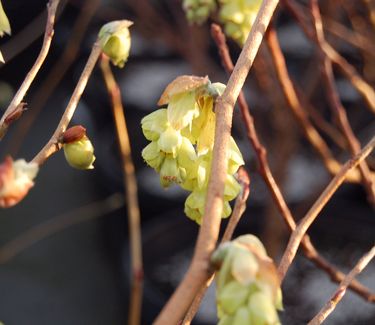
(16, 179)
(197, 11)
(182, 137)
(238, 17)
(248, 288)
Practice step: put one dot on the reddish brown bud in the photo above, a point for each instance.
(75, 133)
(16, 114)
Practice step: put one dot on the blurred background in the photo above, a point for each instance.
(64, 256)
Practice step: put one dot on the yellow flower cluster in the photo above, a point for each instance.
(248, 288)
(238, 17)
(182, 137)
(197, 11)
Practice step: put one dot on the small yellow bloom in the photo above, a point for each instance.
(115, 41)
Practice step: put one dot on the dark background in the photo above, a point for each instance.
(79, 273)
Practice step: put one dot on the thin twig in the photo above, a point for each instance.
(16, 101)
(62, 65)
(312, 214)
(53, 145)
(341, 290)
(238, 210)
(309, 250)
(59, 223)
(335, 103)
(131, 195)
(197, 273)
(367, 92)
(290, 93)
(346, 34)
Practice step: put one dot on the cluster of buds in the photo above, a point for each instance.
(16, 179)
(182, 137)
(115, 41)
(78, 149)
(248, 288)
(238, 17)
(197, 11)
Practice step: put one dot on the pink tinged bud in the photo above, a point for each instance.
(16, 179)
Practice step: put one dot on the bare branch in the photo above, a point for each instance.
(130, 184)
(341, 290)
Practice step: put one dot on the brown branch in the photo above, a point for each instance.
(312, 214)
(265, 171)
(341, 290)
(290, 93)
(197, 273)
(335, 103)
(63, 63)
(367, 92)
(16, 101)
(346, 34)
(53, 145)
(59, 223)
(238, 210)
(131, 195)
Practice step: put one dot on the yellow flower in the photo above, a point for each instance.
(154, 124)
(115, 41)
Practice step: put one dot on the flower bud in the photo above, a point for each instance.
(170, 172)
(154, 124)
(170, 141)
(242, 317)
(244, 266)
(80, 154)
(153, 156)
(232, 296)
(114, 38)
(194, 206)
(16, 179)
(262, 310)
(197, 11)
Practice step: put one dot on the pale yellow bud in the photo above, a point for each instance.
(242, 317)
(153, 156)
(80, 154)
(115, 41)
(170, 141)
(262, 310)
(154, 124)
(232, 296)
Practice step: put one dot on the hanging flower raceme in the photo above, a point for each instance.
(16, 179)
(248, 288)
(78, 149)
(182, 137)
(114, 38)
(238, 17)
(197, 11)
